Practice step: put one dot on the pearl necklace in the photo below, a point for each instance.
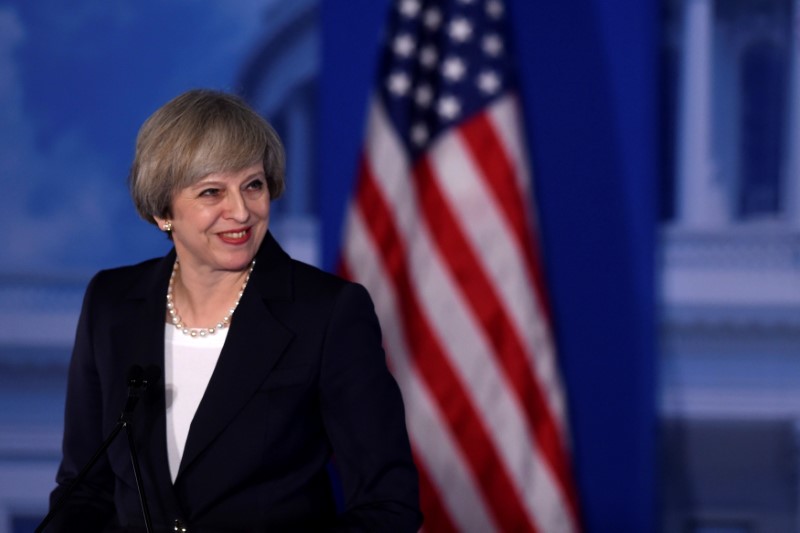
(176, 319)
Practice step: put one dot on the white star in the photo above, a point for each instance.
(488, 82)
(494, 8)
(492, 45)
(398, 83)
(428, 56)
(453, 69)
(409, 8)
(448, 107)
(404, 45)
(423, 96)
(419, 133)
(460, 30)
(432, 18)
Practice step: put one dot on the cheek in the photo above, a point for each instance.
(198, 221)
(204, 219)
(261, 209)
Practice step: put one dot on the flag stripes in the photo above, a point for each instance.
(442, 465)
(489, 405)
(441, 232)
(435, 367)
(468, 270)
(457, 168)
(436, 516)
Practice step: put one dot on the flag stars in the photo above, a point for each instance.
(448, 107)
(460, 30)
(492, 45)
(453, 69)
(423, 96)
(419, 134)
(488, 82)
(495, 9)
(404, 45)
(398, 83)
(432, 18)
(428, 57)
(410, 8)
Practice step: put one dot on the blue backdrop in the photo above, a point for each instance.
(77, 80)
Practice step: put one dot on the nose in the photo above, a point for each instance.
(236, 208)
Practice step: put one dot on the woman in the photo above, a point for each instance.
(270, 366)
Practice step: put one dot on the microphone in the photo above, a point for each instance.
(151, 377)
(135, 376)
(143, 378)
(135, 382)
(139, 380)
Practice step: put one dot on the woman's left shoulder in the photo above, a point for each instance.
(309, 274)
(311, 281)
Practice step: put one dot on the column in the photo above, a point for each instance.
(791, 178)
(702, 199)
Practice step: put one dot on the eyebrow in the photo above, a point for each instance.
(206, 181)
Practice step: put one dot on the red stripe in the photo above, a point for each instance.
(491, 158)
(344, 270)
(461, 416)
(498, 171)
(437, 519)
(488, 308)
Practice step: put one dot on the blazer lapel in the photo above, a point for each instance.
(139, 339)
(255, 342)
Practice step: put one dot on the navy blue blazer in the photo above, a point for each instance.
(302, 377)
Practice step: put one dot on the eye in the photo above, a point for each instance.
(211, 191)
(255, 185)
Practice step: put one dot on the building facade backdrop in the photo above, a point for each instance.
(730, 266)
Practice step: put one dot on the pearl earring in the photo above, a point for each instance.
(168, 226)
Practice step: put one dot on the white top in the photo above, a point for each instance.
(188, 365)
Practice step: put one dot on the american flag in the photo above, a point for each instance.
(441, 231)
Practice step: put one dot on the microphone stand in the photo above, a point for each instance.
(137, 384)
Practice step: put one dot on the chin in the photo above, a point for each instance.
(239, 261)
(242, 264)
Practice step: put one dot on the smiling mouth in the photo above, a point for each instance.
(235, 237)
(234, 234)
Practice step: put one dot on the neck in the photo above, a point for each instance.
(203, 304)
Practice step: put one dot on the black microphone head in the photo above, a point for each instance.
(135, 376)
(152, 375)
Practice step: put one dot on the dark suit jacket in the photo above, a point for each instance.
(302, 376)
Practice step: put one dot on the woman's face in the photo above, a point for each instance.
(219, 222)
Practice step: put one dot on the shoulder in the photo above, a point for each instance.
(313, 282)
(120, 281)
(128, 271)
(297, 288)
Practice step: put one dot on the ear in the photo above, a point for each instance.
(160, 222)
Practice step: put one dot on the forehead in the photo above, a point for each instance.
(252, 171)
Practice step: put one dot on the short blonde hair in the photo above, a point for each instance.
(199, 132)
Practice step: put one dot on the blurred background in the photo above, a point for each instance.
(662, 138)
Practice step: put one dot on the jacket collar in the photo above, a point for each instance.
(138, 338)
(256, 340)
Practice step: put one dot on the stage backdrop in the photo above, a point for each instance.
(77, 80)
